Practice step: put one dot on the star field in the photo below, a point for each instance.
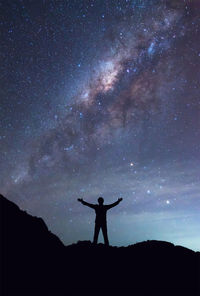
(101, 98)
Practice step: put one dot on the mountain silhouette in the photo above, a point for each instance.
(35, 261)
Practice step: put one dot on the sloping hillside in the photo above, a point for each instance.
(36, 261)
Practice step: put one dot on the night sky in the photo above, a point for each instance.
(101, 98)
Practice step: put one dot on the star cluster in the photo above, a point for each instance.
(101, 98)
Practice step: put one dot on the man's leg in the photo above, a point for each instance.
(105, 234)
(96, 233)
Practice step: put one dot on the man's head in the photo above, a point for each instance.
(100, 200)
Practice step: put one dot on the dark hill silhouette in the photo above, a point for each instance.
(35, 261)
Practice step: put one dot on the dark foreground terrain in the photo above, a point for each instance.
(35, 262)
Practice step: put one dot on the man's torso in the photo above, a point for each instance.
(100, 214)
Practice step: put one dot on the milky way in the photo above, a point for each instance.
(102, 98)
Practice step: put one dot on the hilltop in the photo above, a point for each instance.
(36, 261)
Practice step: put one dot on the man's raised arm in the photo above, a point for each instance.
(114, 204)
(86, 203)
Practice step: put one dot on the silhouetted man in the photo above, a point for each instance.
(100, 221)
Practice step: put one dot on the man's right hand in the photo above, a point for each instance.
(80, 199)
